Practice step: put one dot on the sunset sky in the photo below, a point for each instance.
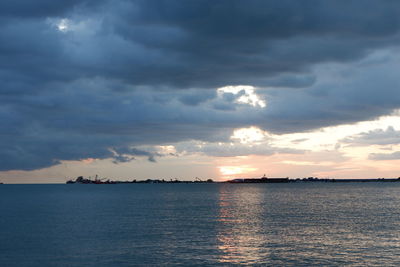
(195, 88)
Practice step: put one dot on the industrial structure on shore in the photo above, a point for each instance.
(262, 180)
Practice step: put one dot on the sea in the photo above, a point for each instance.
(219, 224)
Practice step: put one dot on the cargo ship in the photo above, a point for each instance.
(260, 180)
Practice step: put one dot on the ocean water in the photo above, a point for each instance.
(295, 224)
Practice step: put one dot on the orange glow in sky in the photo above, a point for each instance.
(234, 171)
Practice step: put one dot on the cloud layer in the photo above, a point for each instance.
(97, 79)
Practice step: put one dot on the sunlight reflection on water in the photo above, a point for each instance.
(321, 225)
(201, 224)
(240, 216)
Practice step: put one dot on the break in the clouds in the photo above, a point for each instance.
(98, 79)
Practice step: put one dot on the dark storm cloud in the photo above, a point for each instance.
(85, 119)
(120, 74)
(38, 8)
(200, 43)
(196, 97)
(206, 44)
(346, 93)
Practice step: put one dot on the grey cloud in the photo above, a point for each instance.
(237, 149)
(85, 119)
(132, 73)
(125, 154)
(346, 93)
(382, 156)
(196, 97)
(38, 8)
(202, 43)
(266, 37)
(273, 18)
(291, 81)
(375, 137)
(297, 141)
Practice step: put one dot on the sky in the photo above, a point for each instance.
(165, 89)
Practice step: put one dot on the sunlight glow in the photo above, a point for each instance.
(248, 135)
(247, 95)
(88, 160)
(330, 137)
(165, 150)
(228, 171)
(63, 25)
(86, 27)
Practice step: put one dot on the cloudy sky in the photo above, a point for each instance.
(212, 89)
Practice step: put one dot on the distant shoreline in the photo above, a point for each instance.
(291, 181)
(82, 180)
(232, 181)
(309, 179)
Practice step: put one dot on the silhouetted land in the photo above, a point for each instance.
(310, 179)
(96, 180)
(82, 180)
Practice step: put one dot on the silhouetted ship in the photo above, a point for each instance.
(307, 180)
(259, 180)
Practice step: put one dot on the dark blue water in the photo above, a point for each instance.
(300, 224)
